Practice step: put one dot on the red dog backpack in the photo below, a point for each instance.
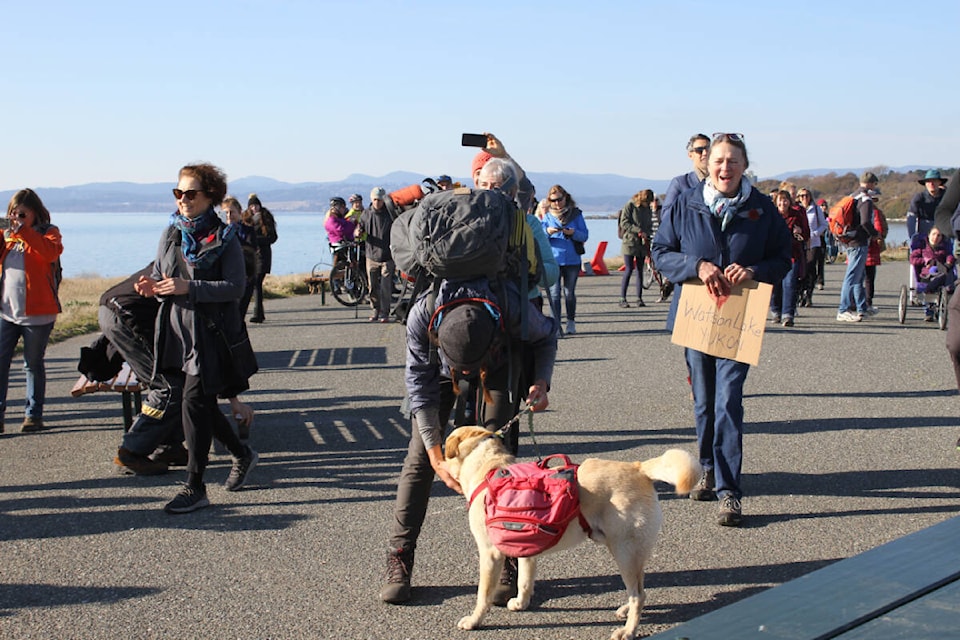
(529, 505)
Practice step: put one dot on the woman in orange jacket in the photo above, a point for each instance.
(29, 278)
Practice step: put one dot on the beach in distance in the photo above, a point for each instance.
(129, 242)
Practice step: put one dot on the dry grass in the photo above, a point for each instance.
(80, 299)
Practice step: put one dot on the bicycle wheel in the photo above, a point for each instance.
(647, 273)
(346, 284)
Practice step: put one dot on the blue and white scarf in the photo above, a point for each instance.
(195, 233)
(723, 207)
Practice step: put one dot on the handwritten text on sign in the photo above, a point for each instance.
(732, 330)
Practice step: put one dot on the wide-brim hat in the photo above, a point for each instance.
(932, 174)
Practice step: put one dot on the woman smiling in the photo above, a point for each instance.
(199, 277)
(723, 232)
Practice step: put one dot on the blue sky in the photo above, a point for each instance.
(302, 91)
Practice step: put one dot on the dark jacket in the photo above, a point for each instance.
(423, 373)
(946, 219)
(920, 215)
(266, 236)
(678, 185)
(865, 229)
(689, 233)
(209, 313)
(635, 220)
(377, 224)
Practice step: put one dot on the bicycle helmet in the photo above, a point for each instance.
(337, 200)
(356, 198)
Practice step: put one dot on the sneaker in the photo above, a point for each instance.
(138, 463)
(729, 514)
(31, 425)
(257, 319)
(571, 327)
(787, 321)
(399, 567)
(704, 489)
(241, 468)
(624, 304)
(819, 286)
(872, 311)
(640, 303)
(173, 456)
(849, 316)
(373, 318)
(775, 318)
(507, 587)
(189, 499)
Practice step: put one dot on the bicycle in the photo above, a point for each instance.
(650, 274)
(348, 276)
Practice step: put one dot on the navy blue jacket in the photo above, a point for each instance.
(689, 233)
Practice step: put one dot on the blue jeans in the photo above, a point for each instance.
(35, 339)
(718, 406)
(568, 277)
(853, 296)
(783, 302)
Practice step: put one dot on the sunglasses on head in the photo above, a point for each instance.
(728, 137)
(187, 195)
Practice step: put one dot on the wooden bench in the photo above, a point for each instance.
(318, 283)
(908, 588)
(125, 383)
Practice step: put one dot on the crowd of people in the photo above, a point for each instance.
(482, 344)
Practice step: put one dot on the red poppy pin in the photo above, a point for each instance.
(753, 214)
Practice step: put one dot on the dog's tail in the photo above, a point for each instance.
(676, 467)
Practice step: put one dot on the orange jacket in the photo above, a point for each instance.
(41, 250)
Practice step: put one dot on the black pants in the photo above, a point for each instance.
(202, 422)
(258, 296)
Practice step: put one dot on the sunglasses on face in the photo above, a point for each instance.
(557, 199)
(728, 137)
(699, 150)
(187, 195)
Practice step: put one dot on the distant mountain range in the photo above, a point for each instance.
(593, 192)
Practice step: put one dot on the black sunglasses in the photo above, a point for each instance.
(560, 199)
(700, 150)
(187, 195)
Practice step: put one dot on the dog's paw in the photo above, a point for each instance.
(622, 634)
(623, 612)
(467, 623)
(516, 604)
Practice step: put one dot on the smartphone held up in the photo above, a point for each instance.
(473, 140)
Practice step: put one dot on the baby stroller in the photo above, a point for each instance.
(935, 283)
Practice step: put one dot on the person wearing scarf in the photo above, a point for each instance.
(723, 232)
(198, 277)
(564, 224)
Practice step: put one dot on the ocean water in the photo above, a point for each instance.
(117, 244)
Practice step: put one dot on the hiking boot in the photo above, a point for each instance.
(624, 304)
(138, 463)
(241, 467)
(571, 327)
(729, 514)
(507, 588)
(704, 489)
(31, 425)
(174, 456)
(399, 567)
(189, 499)
(640, 302)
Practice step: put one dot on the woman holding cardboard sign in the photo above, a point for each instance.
(725, 233)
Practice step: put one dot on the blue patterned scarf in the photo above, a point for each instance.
(196, 233)
(723, 207)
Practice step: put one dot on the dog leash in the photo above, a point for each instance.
(528, 410)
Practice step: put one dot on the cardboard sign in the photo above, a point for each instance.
(733, 330)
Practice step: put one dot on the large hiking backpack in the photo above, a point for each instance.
(529, 505)
(464, 233)
(841, 220)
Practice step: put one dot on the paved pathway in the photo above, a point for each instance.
(849, 444)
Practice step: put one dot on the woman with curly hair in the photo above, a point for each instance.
(636, 228)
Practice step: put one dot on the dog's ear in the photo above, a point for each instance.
(460, 436)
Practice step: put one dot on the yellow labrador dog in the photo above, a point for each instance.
(617, 499)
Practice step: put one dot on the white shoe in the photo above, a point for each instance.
(849, 316)
(571, 327)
